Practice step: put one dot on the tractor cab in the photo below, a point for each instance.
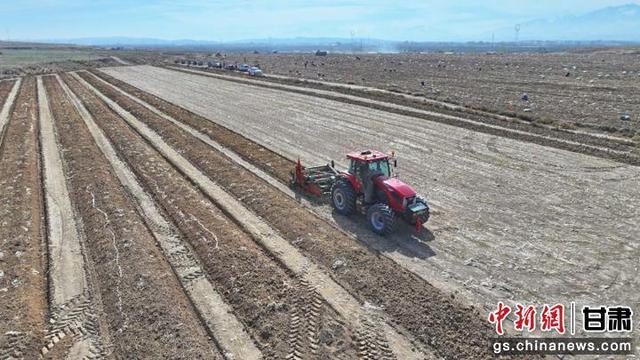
(367, 162)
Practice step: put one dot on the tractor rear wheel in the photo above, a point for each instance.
(343, 197)
(381, 218)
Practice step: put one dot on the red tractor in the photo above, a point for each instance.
(367, 187)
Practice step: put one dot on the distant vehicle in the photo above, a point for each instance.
(255, 71)
(321, 53)
(231, 67)
(199, 63)
(244, 67)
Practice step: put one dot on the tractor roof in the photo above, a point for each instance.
(367, 155)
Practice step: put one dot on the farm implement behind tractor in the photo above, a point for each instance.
(367, 187)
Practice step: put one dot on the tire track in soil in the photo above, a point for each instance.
(257, 288)
(372, 344)
(225, 328)
(23, 294)
(304, 327)
(145, 310)
(432, 316)
(73, 306)
(265, 235)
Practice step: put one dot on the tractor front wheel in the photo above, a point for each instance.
(381, 218)
(343, 197)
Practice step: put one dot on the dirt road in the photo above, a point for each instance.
(512, 220)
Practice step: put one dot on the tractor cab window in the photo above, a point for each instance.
(353, 167)
(382, 166)
(358, 169)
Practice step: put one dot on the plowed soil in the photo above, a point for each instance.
(414, 304)
(505, 211)
(257, 288)
(602, 145)
(587, 88)
(144, 211)
(139, 291)
(23, 294)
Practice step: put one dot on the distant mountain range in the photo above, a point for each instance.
(620, 23)
(131, 41)
(610, 24)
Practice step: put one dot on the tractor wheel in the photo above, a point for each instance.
(343, 197)
(381, 218)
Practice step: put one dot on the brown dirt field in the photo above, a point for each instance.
(140, 295)
(257, 288)
(505, 211)
(429, 314)
(624, 150)
(600, 84)
(54, 67)
(23, 294)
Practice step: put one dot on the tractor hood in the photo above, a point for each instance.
(399, 187)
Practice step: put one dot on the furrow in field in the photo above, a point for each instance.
(258, 289)
(23, 294)
(263, 233)
(146, 311)
(227, 330)
(70, 290)
(225, 172)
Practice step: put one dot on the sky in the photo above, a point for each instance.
(230, 20)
